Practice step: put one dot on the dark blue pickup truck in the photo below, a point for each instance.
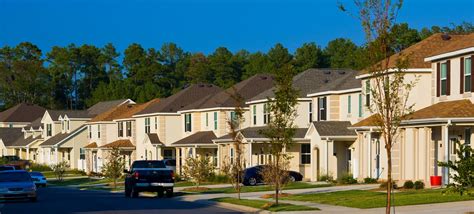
(149, 176)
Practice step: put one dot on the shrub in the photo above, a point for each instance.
(383, 185)
(59, 169)
(370, 180)
(40, 167)
(326, 177)
(408, 185)
(346, 179)
(199, 169)
(219, 178)
(419, 185)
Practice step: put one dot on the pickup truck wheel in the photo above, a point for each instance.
(134, 193)
(160, 194)
(169, 193)
(252, 181)
(127, 192)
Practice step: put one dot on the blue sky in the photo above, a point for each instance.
(202, 26)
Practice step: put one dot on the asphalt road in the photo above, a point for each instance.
(62, 200)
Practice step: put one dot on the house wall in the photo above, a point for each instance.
(13, 124)
(75, 143)
(301, 120)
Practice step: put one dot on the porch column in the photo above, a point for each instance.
(218, 157)
(27, 153)
(21, 151)
(194, 151)
(446, 153)
(369, 154)
(56, 155)
(250, 153)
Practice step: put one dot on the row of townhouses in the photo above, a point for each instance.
(336, 133)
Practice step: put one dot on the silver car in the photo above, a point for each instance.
(17, 184)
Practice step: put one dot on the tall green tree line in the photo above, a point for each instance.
(76, 77)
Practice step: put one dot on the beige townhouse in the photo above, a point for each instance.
(159, 124)
(26, 147)
(337, 104)
(303, 156)
(65, 133)
(208, 119)
(19, 117)
(112, 129)
(438, 63)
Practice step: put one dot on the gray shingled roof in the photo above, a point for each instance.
(245, 89)
(10, 135)
(255, 132)
(318, 80)
(104, 106)
(198, 138)
(58, 138)
(334, 128)
(35, 124)
(154, 139)
(24, 141)
(22, 113)
(70, 113)
(181, 99)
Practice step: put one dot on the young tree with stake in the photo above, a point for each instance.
(389, 90)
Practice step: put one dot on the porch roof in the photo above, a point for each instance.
(119, 144)
(334, 128)
(92, 145)
(256, 133)
(61, 137)
(371, 121)
(154, 139)
(20, 142)
(198, 138)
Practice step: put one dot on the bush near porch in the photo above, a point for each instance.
(372, 199)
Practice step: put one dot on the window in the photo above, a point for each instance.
(98, 131)
(233, 118)
(254, 115)
(360, 105)
(266, 113)
(168, 154)
(129, 128)
(62, 125)
(322, 108)
(444, 78)
(147, 125)
(120, 129)
(367, 93)
(90, 132)
(68, 125)
(231, 155)
(310, 110)
(82, 153)
(215, 120)
(305, 153)
(467, 74)
(207, 119)
(10, 125)
(156, 124)
(49, 131)
(187, 122)
(349, 104)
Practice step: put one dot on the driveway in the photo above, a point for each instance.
(53, 200)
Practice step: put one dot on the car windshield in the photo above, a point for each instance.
(14, 177)
(36, 174)
(149, 164)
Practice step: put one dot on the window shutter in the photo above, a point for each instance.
(438, 79)
(448, 74)
(472, 75)
(461, 88)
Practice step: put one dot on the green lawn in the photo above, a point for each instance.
(370, 199)
(189, 183)
(295, 185)
(82, 181)
(261, 204)
(50, 174)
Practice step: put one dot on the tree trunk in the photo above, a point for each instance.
(389, 177)
(278, 179)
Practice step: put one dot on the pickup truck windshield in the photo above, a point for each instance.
(149, 164)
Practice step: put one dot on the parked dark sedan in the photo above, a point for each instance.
(253, 176)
